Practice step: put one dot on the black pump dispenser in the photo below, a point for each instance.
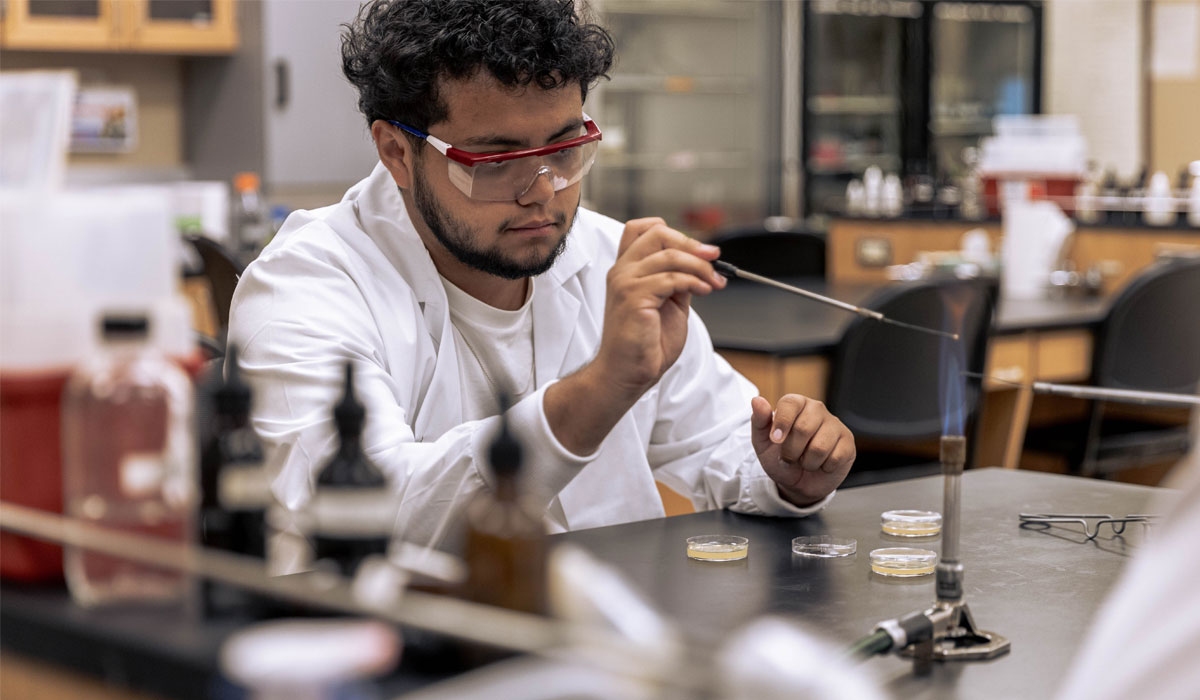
(234, 484)
(353, 512)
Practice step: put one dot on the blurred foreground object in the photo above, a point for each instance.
(128, 461)
(65, 258)
(1146, 637)
(35, 128)
(310, 659)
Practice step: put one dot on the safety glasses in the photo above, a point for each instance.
(506, 176)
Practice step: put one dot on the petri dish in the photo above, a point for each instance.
(717, 547)
(911, 523)
(903, 561)
(824, 546)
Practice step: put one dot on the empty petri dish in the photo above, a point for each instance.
(717, 547)
(911, 523)
(903, 561)
(824, 546)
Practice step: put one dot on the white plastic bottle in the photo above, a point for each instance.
(251, 225)
(128, 462)
(1158, 206)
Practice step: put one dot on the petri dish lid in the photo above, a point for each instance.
(717, 547)
(824, 546)
(911, 523)
(903, 561)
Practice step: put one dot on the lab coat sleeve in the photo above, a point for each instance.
(700, 445)
(298, 321)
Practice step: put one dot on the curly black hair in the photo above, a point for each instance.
(397, 52)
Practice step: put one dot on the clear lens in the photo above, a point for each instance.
(507, 180)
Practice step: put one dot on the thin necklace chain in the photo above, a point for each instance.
(488, 375)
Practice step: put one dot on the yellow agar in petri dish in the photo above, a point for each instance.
(717, 547)
(903, 561)
(911, 523)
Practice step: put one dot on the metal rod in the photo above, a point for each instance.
(1152, 398)
(949, 569)
(1120, 395)
(730, 270)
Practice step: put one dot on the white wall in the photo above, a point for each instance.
(1093, 68)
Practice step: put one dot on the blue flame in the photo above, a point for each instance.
(952, 362)
(953, 387)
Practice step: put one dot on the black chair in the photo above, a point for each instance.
(1150, 340)
(775, 249)
(899, 390)
(222, 270)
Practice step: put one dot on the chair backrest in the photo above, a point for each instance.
(773, 253)
(889, 383)
(1151, 337)
(222, 271)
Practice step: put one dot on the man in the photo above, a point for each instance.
(462, 267)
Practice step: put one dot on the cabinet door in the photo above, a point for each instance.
(315, 135)
(686, 115)
(179, 26)
(985, 58)
(856, 100)
(60, 25)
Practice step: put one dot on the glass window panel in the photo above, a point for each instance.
(983, 57)
(64, 8)
(186, 10)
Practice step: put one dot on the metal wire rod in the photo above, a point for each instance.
(730, 270)
(1100, 393)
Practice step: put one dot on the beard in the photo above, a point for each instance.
(456, 237)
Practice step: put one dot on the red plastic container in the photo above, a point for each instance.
(31, 467)
(1059, 189)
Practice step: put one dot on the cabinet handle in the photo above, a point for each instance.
(282, 88)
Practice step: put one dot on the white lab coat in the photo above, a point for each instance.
(1145, 639)
(353, 281)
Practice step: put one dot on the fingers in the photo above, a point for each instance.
(659, 236)
(634, 229)
(842, 457)
(809, 436)
(760, 424)
(674, 259)
(820, 447)
(644, 238)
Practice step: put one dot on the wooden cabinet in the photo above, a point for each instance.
(148, 26)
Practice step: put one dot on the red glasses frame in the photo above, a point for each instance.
(472, 159)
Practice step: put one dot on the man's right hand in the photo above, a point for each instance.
(650, 286)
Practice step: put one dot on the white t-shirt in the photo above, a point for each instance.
(496, 350)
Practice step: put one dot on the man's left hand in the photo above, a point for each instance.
(802, 446)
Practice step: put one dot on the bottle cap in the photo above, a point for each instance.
(232, 397)
(244, 182)
(349, 414)
(124, 326)
(505, 450)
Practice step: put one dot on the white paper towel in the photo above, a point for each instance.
(1034, 234)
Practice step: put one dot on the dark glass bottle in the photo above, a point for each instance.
(1110, 190)
(505, 545)
(235, 486)
(352, 511)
